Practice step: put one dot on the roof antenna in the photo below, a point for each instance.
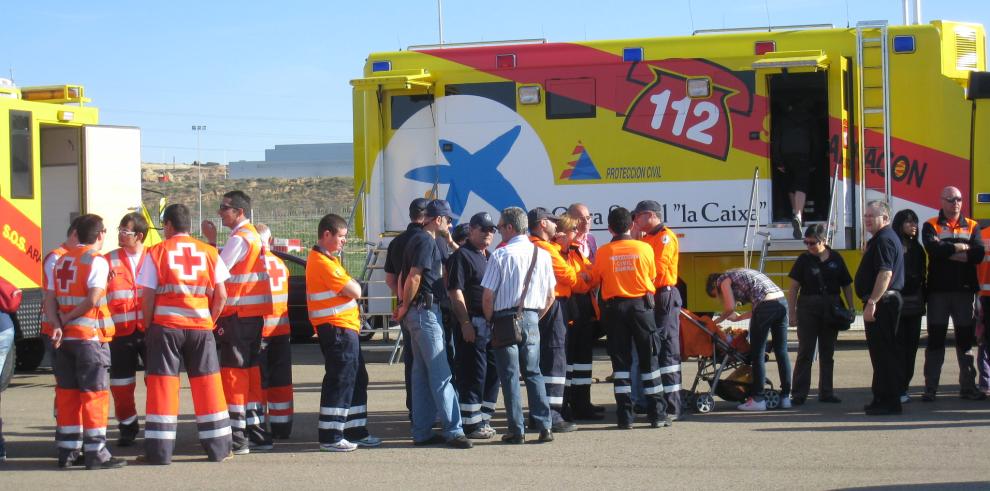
(766, 6)
(691, 16)
(847, 14)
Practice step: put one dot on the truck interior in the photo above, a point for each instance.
(61, 182)
(799, 142)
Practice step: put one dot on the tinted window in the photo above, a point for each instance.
(404, 106)
(21, 168)
(571, 98)
(501, 92)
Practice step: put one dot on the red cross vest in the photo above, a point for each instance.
(124, 294)
(277, 323)
(249, 294)
(186, 278)
(58, 252)
(71, 274)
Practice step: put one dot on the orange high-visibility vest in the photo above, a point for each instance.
(186, 278)
(959, 233)
(580, 264)
(277, 323)
(325, 278)
(249, 294)
(626, 269)
(564, 273)
(58, 252)
(71, 274)
(983, 270)
(123, 293)
(665, 251)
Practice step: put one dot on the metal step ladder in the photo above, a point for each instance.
(376, 308)
(872, 112)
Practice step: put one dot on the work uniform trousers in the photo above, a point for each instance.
(983, 359)
(196, 349)
(477, 380)
(885, 355)
(580, 341)
(667, 312)
(82, 401)
(344, 395)
(630, 324)
(553, 359)
(813, 332)
(961, 308)
(240, 370)
(276, 384)
(126, 353)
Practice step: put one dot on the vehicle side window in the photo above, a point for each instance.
(21, 161)
(404, 106)
(570, 98)
(501, 92)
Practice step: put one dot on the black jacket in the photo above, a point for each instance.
(945, 275)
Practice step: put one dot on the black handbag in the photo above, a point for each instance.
(836, 313)
(507, 330)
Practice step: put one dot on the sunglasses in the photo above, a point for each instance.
(226, 207)
(810, 243)
(953, 200)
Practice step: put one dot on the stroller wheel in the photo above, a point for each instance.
(772, 398)
(704, 403)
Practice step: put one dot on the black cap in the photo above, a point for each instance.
(483, 220)
(460, 232)
(439, 208)
(418, 206)
(647, 205)
(540, 213)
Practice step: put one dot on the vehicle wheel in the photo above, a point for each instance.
(704, 403)
(29, 354)
(773, 399)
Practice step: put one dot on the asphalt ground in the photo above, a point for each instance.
(940, 445)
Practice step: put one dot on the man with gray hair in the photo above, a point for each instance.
(878, 282)
(504, 283)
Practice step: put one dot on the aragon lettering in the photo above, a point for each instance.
(903, 169)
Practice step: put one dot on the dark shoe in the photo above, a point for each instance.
(586, 413)
(111, 463)
(546, 436)
(460, 441)
(798, 401)
(831, 399)
(972, 395)
(436, 439)
(662, 423)
(797, 232)
(143, 460)
(597, 408)
(563, 426)
(625, 426)
(928, 396)
(78, 461)
(637, 409)
(677, 417)
(125, 442)
(513, 439)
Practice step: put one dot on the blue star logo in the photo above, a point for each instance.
(473, 173)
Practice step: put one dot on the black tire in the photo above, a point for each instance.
(29, 354)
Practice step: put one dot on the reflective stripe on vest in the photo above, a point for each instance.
(186, 274)
(71, 290)
(963, 230)
(327, 312)
(249, 293)
(277, 323)
(325, 275)
(124, 296)
(983, 269)
(58, 252)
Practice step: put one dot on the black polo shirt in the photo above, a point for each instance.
(833, 272)
(465, 269)
(421, 252)
(883, 253)
(393, 256)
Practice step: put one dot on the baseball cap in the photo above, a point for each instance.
(483, 220)
(647, 205)
(439, 208)
(540, 213)
(418, 205)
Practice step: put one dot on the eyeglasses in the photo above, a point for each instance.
(126, 233)
(810, 243)
(954, 199)
(226, 207)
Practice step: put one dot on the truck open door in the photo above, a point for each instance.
(979, 93)
(111, 175)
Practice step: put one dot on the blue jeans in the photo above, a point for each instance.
(6, 345)
(525, 356)
(769, 318)
(433, 393)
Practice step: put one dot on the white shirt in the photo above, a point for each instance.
(148, 276)
(507, 269)
(99, 272)
(134, 260)
(49, 266)
(236, 247)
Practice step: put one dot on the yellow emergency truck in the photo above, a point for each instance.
(699, 123)
(56, 162)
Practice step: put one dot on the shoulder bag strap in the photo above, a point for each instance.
(529, 276)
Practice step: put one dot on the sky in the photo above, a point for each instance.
(257, 74)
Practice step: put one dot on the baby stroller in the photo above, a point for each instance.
(718, 353)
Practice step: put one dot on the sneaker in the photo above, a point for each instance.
(513, 439)
(905, 398)
(261, 447)
(796, 224)
(340, 446)
(460, 441)
(753, 405)
(482, 433)
(111, 463)
(785, 402)
(241, 450)
(798, 401)
(564, 426)
(369, 442)
(73, 460)
(928, 396)
(662, 423)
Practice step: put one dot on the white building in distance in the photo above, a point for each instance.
(295, 161)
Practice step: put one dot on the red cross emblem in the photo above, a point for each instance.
(66, 274)
(276, 273)
(186, 261)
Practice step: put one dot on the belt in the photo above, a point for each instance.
(665, 288)
(513, 309)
